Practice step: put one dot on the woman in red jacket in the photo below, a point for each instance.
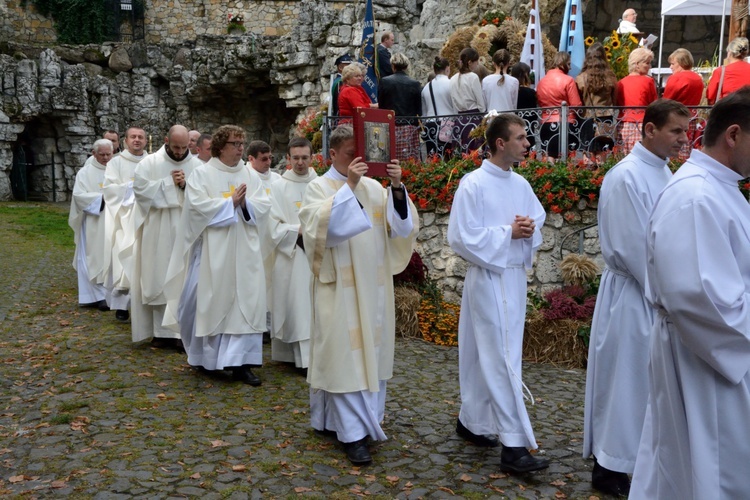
(352, 95)
(736, 71)
(685, 86)
(637, 90)
(554, 88)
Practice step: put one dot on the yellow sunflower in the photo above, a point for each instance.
(616, 44)
(633, 39)
(619, 59)
(607, 49)
(609, 56)
(589, 41)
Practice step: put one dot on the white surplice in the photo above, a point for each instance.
(698, 279)
(215, 279)
(87, 221)
(353, 251)
(291, 302)
(493, 305)
(119, 199)
(617, 373)
(158, 207)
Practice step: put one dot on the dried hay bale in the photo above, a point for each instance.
(555, 342)
(482, 42)
(407, 305)
(458, 41)
(578, 269)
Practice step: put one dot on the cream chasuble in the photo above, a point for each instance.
(119, 200)
(291, 302)
(87, 222)
(352, 344)
(156, 218)
(229, 256)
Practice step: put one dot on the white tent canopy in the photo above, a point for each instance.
(721, 8)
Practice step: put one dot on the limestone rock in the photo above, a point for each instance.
(119, 61)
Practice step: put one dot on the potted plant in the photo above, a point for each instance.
(235, 24)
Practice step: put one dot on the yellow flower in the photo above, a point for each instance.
(633, 39)
(607, 49)
(615, 44)
(589, 41)
(615, 37)
(609, 56)
(619, 59)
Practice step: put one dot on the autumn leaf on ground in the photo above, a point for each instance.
(521, 487)
(465, 478)
(58, 484)
(218, 442)
(392, 479)
(241, 432)
(560, 495)
(447, 490)
(17, 479)
(161, 396)
(558, 483)
(301, 489)
(145, 374)
(355, 472)
(278, 407)
(498, 476)
(197, 475)
(239, 468)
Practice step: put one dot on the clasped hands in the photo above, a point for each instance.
(522, 227)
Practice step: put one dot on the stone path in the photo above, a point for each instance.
(84, 413)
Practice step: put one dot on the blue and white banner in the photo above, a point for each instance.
(368, 54)
(533, 50)
(571, 36)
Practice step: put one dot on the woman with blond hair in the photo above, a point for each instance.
(634, 92)
(555, 87)
(735, 71)
(352, 95)
(500, 90)
(684, 86)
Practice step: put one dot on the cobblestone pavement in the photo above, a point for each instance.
(84, 413)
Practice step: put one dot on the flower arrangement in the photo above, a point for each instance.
(495, 17)
(310, 128)
(235, 22)
(433, 183)
(617, 48)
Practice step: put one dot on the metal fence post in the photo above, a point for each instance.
(564, 129)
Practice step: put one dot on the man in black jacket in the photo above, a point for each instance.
(402, 94)
(384, 55)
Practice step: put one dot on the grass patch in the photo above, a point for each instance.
(67, 406)
(38, 220)
(63, 418)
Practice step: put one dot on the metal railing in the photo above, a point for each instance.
(587, 129)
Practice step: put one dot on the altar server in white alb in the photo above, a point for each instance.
(119, 199)
(291, 302)
(695, 441)
(87, 221)
(159, 188)
(357, 235)
(495, 224)
(617, 373)
(216, 280)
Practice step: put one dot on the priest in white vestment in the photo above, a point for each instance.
(357, 235)
(215, 282)
(113, 136)
(159, 186)
(495, 224)
(87, 221)
(291, 302)
(695, 441)
(259, 160)
(119, 199)
(617, 371)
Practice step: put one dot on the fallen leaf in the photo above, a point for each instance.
(355, 472)
(16, 479)
(465, 478)
(64, 322)
(161, 396)
(558, 483)
(145, 374)
(301, 489)
(241, 432)
(521, 487)
(197, 475)
(560, 494)
(447, 490)
(278, 407)
(219, 442)
(392, 479)
(239, 468)
(58, 484)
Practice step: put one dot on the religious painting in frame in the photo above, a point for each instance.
(375, 137)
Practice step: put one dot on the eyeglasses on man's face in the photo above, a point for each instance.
(237, 144)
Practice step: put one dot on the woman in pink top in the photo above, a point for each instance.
(552, 90)
(637, 90)
(736, 71)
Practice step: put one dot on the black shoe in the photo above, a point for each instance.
(358, 452)
(102, 305)
(610, 482)
(486, 440)
(266, 337)
(245, 375)
(326, 433)
(122, 315)
(518, 459)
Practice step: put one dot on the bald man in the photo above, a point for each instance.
(627, 23)
(193, 137)
(159, 188)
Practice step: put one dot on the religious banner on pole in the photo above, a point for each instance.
(571, 36)
(533, 51)
(368, 54)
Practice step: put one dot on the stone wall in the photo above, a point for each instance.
(449, 270)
